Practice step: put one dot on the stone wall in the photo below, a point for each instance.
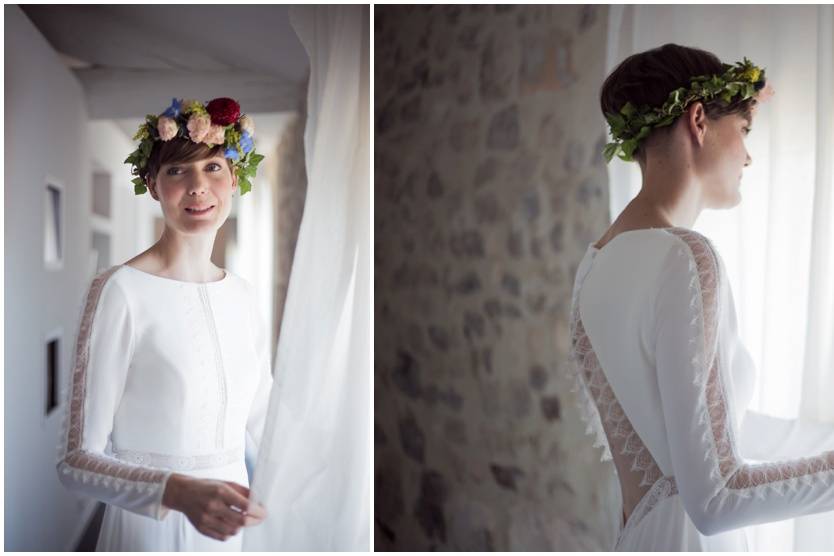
(489, 186)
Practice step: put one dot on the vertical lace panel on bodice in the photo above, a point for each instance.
(636, 468)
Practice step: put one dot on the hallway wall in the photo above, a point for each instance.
(46, 134)
(489, 186)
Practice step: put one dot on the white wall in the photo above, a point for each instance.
(45, 134)
(132, 216)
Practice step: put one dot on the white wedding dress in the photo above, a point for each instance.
(168, 376)
(665, 381)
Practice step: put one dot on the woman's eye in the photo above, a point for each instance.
(175, 170)
(747, 130)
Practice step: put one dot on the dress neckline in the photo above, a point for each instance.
(594, 249)
(157, 277)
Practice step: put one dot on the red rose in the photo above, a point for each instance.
(223, 111)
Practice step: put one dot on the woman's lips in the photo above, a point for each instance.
(198, 212)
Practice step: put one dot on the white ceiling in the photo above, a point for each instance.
(131, 60)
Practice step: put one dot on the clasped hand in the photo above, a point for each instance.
(217, 509)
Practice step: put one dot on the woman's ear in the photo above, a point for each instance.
(696, 119)
(152, 187)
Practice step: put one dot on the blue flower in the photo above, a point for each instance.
(232, 153)
(246, 142)
(174, 110)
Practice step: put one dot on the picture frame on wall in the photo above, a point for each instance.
(53, 224)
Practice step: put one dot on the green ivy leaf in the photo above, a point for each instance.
(628, 110)
(629, 146)
(644, 131)
(609, 150)
(244, 185)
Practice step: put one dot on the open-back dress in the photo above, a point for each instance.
(665, 382)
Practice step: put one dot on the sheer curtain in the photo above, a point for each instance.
(313, 469)
(778, 244)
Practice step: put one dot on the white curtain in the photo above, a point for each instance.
(313, 470)
(778, 244)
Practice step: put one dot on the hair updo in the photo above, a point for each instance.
(178, 150)
(647, 78)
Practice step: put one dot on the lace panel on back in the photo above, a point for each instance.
(733, 476)
(636, 468)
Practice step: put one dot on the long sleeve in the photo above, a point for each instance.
(766, 437)
(719, 489)
(103, 353)
(260, 404)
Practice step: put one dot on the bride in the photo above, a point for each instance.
(662, 374)
(172, 366)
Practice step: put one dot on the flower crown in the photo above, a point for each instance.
(632, 125)
(218, 122)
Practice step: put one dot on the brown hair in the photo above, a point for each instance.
(178, 150)
(647, 78)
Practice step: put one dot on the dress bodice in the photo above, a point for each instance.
(665, 384)
(168, 376)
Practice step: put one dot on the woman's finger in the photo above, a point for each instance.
(214, 534)
(250, 521)
(256, 509)
(244, 491)
(232, 497)
(232, 517)
(219, 526)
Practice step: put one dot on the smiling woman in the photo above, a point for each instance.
(172, 367)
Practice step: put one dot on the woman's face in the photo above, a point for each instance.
(196, 197)
(724, 158)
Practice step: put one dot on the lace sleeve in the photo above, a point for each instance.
(260, 404)
(719, 489)
(102, 355)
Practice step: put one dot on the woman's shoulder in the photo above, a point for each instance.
(695, 248)
(106, 278)
(693, 239)
(674, 238)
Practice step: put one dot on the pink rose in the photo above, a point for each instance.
(198, 127)
(216, 135)
(166, 127)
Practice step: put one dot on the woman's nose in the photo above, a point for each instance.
(198, 184)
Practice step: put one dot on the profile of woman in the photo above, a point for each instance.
(662, 374)
(172, 367)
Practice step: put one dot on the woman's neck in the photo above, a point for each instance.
(182, 257)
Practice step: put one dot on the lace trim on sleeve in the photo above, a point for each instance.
(87, 466)
(732, 475)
